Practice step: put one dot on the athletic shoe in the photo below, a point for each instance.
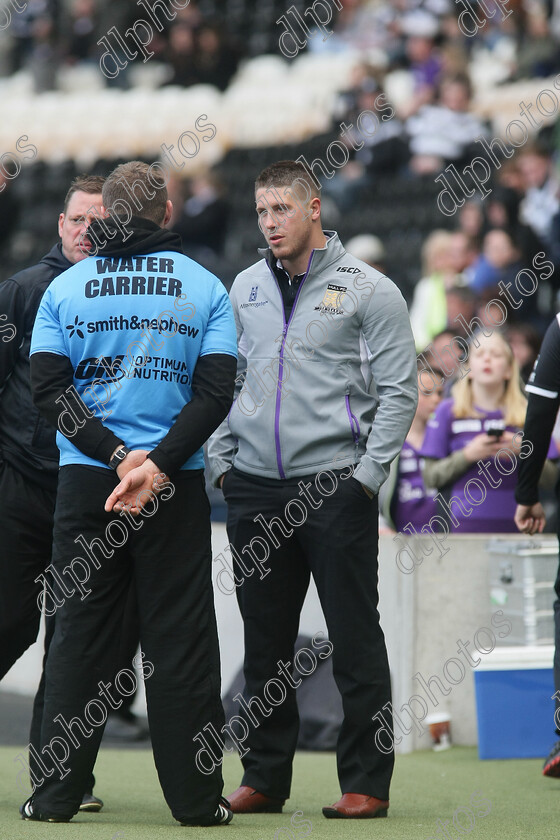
(126, 727)
(28, 812)
(223, 816)
(91, 804)
(551, 766)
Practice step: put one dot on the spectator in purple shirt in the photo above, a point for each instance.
(404, 498)
(473, 443)
(424, 62)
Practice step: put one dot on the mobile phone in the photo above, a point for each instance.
(495, 432)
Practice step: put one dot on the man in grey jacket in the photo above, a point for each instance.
(326, 392)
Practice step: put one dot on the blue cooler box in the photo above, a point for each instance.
(514, 689)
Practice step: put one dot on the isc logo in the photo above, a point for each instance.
(348, 269)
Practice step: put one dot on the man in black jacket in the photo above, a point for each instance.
(28, 451)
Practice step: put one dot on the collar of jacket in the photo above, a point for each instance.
(320, 259)
(56, 260)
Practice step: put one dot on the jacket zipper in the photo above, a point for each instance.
(354, 424)
(281, 363)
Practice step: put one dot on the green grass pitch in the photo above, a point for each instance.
(427, 786)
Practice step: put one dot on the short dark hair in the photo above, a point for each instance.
(122, 186)
(538, 148)
(284, 174)
(92, 184)
(421, 365)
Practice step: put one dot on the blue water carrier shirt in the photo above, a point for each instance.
(133, 328)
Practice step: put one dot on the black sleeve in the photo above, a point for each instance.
(12, 327)
(553, 247)
(543, 392)
(51, 376)
(213, 383)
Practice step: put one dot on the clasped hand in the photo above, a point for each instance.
(140, 479)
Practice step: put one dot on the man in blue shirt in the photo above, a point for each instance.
(133, 358)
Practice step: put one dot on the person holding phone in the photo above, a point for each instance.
(473, 443)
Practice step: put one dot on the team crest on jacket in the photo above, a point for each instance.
(332, 299)
(253, 299)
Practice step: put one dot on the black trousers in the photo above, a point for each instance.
(26, 524)
(336, 542)
(128, 646)
(169, 555)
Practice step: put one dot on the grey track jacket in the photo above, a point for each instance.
(309, 395)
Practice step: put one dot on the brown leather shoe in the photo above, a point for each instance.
(356, 806)
(247, 800)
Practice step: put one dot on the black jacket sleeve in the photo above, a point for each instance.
(51, 377)
(12, 326)
(543, 392)
(213, 384)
